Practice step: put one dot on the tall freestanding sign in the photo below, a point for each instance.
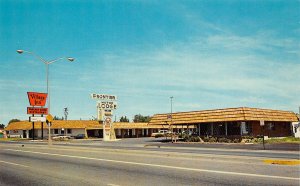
(37, 99)
(105, 106)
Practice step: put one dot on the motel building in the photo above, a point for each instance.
(229, 122)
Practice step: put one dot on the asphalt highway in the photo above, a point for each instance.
(152, 144)
(39, 164)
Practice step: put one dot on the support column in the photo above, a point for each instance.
(42, 127)
(122, 133)
(27, 134)
(226, 128)
(85, 133)
(199, 129)
(241, 129)
(32, 130)
(212, 129)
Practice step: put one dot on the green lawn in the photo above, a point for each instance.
(284, 140)
(11, 139)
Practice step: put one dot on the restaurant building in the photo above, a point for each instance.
(242, 121)
(232, 122)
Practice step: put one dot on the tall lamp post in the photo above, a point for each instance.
(47, 63)
(171, 98)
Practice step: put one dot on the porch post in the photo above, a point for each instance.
(241, 129)
(42, 127)
(211, 129)
(226, 128)
(32, 130)
(122, 133)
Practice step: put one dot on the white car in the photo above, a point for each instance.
(160, 132)
(61, 137)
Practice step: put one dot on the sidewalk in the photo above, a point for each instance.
(274, 146)
(154, 142)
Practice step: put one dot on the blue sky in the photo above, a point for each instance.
(207, 54)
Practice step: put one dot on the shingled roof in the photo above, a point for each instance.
(228, 114)
(161, 120)
(76, 124)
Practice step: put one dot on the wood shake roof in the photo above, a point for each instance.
(228, 114)
(77, 124)
(179, 118)
(56, 124)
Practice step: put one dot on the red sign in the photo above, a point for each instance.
(37, 99)
(36, 110)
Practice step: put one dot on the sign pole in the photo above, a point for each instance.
(49, 120)
(42, 127)
(49, 135)
(33, 129)
(262, 125)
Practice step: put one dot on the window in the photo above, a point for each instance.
(55, 131)
(271, 126)
(69, 131)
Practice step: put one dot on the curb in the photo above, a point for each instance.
(282, 162)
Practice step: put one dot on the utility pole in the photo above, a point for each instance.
(66, 112)
(172, 118)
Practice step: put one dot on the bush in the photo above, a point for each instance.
(236, 140)
(223, 140)
(248, 137)
(158, 135)
(257, 140)
(188, 138)
(196, 139)
(206, 139)
(212, 140)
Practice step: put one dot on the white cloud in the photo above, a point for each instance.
(242, 68)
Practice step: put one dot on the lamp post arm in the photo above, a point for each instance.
(54, 60)
(37, 56)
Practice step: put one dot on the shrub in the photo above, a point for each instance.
(236, 140)
(212, 140)
(257, 140)
(222, 140)
(206, 139)
(196, 139)
(247, 137)
(192, 138)
(158, 135)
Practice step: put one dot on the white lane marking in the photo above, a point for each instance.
(160, 166)
(13, 163)
(111, 184)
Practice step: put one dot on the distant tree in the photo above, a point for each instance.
(140, 118)
(13, 120)
(58, 118)
(124, 119)
(2, 126)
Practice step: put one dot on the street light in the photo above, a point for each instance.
(47, 63)
(172, 117)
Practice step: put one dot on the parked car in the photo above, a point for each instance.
(161, 132)
(79, 136)
(189, 132)
(61, 137)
